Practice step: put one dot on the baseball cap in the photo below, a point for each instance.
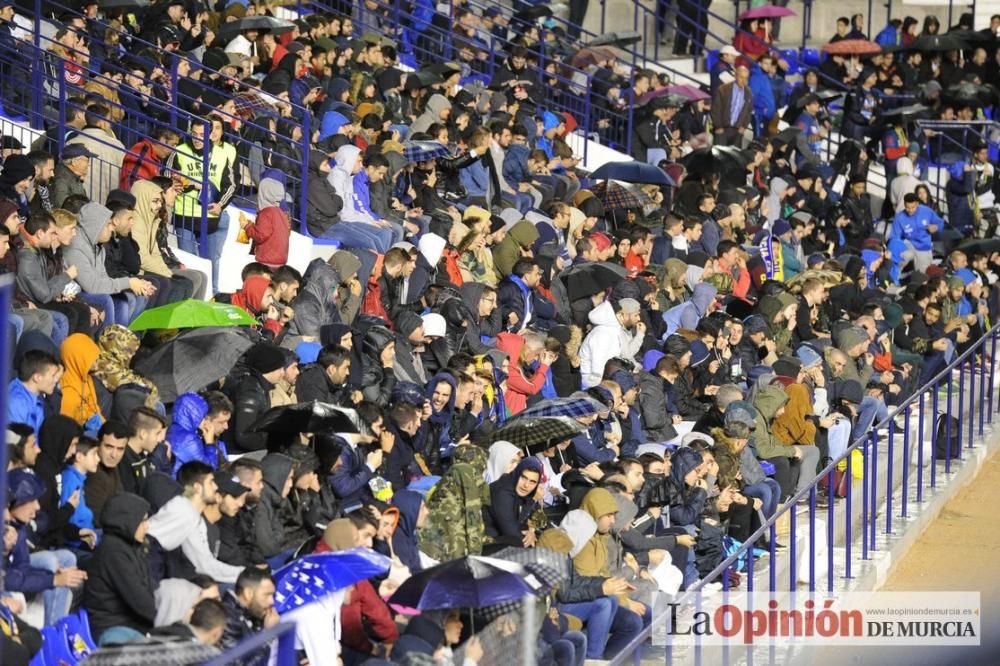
(75, 150)
(729, 49)
(229, 484)
(740, 411)
(628, 306)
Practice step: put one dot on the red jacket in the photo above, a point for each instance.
(519, 387)
(270, 233)
(140, 163)
(365, 607)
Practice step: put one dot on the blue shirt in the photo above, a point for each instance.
(913, 228)
(739, 96)
(23, 406)
(72, 480)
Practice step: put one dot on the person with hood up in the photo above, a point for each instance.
(277, 530)
(484, 324)
(503, 459)
(79, 395)
(271, 230)
(356, 227)
(438, 441)
(437, 110)
(318, 302)
(113, 370)
(592, 560)
(519, 238)
(689, 313)
(769, 403)
(455, 526)
(611, 337)
(118, 594)
(86, 252)
(189, 434)
(323, 204)
(257, 297)
(412, 517)
(410, 340)
(904, 183)
(512, 503)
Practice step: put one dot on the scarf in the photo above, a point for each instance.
(117, 346)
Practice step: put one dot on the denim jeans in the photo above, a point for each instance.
(363, 235)
(869, 411)
(768, 492)
(118, 635)
(118, 309)
(57, 600)
(187, 240)
(597, 616)
(570, 649)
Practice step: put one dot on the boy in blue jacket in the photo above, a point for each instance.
(85, 462)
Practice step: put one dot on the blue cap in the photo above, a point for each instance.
(23, 486)
(699, 353)
(651, 358)
(808, 356)
(625, 380)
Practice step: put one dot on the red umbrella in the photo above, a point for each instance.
(850, 47)
(767, 11)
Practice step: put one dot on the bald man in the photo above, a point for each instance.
(732, 110)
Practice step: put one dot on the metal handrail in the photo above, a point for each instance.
(284, 632)
(867, 445)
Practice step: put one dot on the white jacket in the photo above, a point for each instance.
(607, 340)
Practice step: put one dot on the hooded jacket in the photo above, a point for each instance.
(508, 251)
(794, 426)
(767, 402)
(407, 365)
(88, 256)
(519, 385)
(276, 527)
(119, 589)
(480, 334)
(432, 113)
(323, 204)
(508, 513)
(592, 559)
(689, 313)
(686, 502)
(655, 408)
(186, 440)
(607, 340)
(904, 183)
(342, 179)
(316, 304)
(404, 539)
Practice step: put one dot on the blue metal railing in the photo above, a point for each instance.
(971, 364)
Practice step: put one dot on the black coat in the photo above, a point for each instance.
(314, 384)
(119, 589)
(251, 399)
(323, 204)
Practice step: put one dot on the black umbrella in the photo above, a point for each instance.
(591, 278)
(938, 43)
(788, 135)
(312, 416)
(536, 434)
(971, 93)
(616, 39)
(260, 23)
(472, 581)
(193, 360)
(906, 113)
(633, 172)
(717, 159)
(985, 246)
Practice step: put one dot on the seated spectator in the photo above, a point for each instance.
(118, 593)
(512, 505)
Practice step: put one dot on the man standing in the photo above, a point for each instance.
(732, 109)
(914, 225)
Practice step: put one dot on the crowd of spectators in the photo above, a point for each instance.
(762, 314)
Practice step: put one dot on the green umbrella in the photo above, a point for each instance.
(191, 314)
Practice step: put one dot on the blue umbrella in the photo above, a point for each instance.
(422, 151)
(633, 172)
(468, 582)
(314, 577)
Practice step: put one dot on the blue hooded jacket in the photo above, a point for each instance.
(687, 314)
(440, 422)
(331, 124)
(763, 95)
(404, 539)
(185, 439)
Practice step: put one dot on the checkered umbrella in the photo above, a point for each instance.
(617, 196)
(548, 568)
(422, 151)
(568, 407)
(537, 433)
